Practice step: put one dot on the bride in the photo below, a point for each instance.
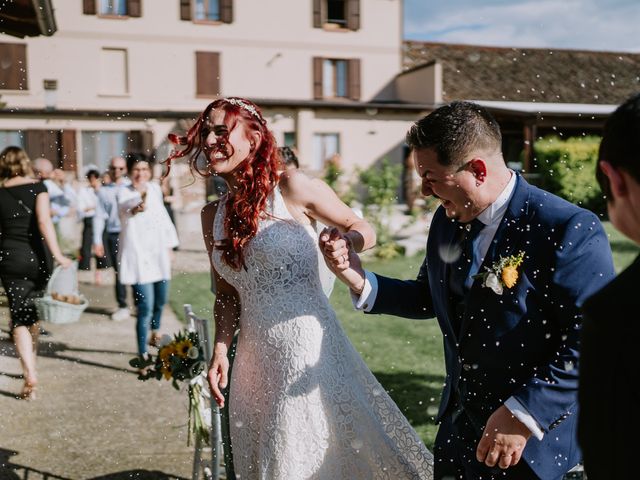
(303, 404)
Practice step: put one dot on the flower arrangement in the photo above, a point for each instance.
(503, 273)
(181, 359)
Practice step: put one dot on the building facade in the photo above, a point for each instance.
(119, 75)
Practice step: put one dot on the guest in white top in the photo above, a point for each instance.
(86, 209)
(147, 238)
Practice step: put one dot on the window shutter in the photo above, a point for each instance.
(147, 143)
(207, 74)
(185, 9)
(353, 14)
(354, 79)
(134, 8)
(134, 141)
(226, 11)
(89, 7)
(13, 66)
(44, 143)
(140, 141)
(317, 13)
(69, 161)
(317, 78)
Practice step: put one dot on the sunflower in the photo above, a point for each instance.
(166, 352)
(183, 347)
(166, 371)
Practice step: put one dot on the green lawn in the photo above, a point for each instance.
(406, 356)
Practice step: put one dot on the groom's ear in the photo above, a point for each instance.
(478, 168)
(617, 181)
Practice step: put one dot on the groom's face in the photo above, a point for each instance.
(454, 186)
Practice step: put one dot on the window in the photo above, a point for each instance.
(12, 138)
(112, 8)
(325, 147)
(340, 14)
(207, 10)
(289, 139)
(13, 66)
(98, 148)
(207, 74)
(337, 12)
(114, 78)
(336, 78)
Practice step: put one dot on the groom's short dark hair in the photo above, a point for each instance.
(620, 144)
(455, 130)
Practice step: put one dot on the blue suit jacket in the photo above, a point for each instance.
(523, 343)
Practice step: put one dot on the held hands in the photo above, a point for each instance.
(341, 258)
(503, 440)
(217, 376)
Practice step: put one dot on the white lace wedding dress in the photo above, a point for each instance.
(303, 404)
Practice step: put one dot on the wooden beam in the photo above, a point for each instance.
(529, 131)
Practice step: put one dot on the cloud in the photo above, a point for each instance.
(581, 24)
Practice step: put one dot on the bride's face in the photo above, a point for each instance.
(226, 149)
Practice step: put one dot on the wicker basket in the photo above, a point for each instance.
(55, 311)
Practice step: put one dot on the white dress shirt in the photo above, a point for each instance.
(491, 218)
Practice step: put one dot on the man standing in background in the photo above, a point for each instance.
(106, 217)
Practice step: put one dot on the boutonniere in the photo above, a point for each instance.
(503, 273)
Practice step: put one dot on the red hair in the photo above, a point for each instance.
(256, 176)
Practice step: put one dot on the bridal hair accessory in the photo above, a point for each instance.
(503, 273)
(245, 106)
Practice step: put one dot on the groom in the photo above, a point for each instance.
(506, 268)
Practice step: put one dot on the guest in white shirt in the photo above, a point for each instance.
(147, 237)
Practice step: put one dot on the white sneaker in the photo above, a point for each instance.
(120, 315)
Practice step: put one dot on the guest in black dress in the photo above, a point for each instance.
(26, 230)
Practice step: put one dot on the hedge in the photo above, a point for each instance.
(568, 166)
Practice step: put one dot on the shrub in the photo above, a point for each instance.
(568, 169)
(380, 195)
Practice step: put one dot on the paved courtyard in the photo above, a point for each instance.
(92, 419)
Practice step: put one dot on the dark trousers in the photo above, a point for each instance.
(455, 455)
(85, 248)
(111, 252)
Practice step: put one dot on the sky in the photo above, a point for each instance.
(578, 24)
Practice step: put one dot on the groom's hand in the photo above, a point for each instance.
(342, 259)
(503, 440)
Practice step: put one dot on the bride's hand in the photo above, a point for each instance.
(217, 376)
(335, 247)
(342, 259)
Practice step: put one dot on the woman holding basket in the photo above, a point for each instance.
(26, 232)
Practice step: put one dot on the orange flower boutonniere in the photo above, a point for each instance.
(502, 274)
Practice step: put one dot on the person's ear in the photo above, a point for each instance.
(255, 138)
(617, 181)
(478, 168)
